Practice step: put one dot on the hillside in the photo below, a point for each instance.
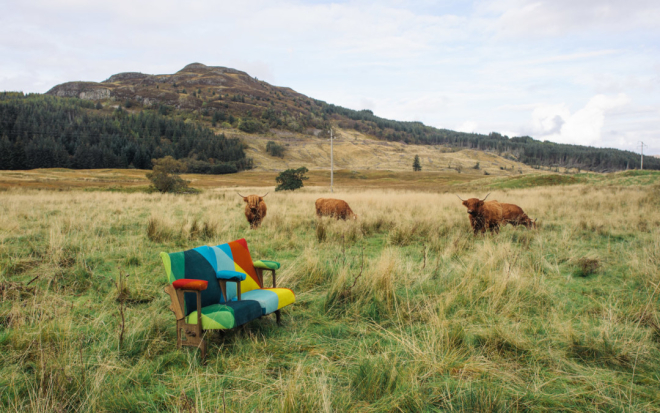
(231, 99)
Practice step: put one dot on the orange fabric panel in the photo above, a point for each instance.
(243, 259)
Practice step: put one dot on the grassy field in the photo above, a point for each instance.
(356, 151)
(135, 180)
(401, 310)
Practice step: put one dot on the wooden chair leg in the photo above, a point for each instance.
(278, 317)
(202, 347)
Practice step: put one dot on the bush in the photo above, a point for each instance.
(251, 126)
(275, 149)
(291, 179)
(164, 176)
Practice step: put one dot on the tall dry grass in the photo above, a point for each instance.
(401, 310)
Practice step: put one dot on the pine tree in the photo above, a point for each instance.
(417, 166)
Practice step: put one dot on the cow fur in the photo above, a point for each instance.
(484, 215)
(514, 215)
(336, 208)
(255, 210)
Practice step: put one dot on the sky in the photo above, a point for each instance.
(571, 71)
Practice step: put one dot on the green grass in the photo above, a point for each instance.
(560, 319)
(626, 178)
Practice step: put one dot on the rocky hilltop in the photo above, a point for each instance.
(193, 87)
(230, 100)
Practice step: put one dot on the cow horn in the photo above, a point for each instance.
(239, 194)
(460, 197)
(486, 197)
(265, 194)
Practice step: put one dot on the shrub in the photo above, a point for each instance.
(291, 179)
(164, 176)
(249, 125)
(275, 149)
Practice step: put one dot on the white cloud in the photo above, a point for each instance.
(467, 126)
(492, 62)
(584, 127)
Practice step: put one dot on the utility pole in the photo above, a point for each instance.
(642, 163)
(332, 164)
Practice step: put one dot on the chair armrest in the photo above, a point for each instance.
(230, 275)
(176, 292)
(223, 287)
(190, 284)
(266, 265)
(260, 274)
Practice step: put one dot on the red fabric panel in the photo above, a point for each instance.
(243, 242)
(242, 257)
(189, 284)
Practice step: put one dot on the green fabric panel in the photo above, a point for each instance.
(178, 261)
(214, 317)
(168, 266)
(267, 265)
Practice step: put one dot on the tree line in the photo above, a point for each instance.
(39, 131)
(524, 149)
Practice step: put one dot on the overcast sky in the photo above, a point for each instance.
(572, 71)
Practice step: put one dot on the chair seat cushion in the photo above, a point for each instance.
(226, 316)
(267, 265)
(270, 299)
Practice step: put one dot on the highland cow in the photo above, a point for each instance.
(514, 215)
(255, 209)
(483, 215)
(334, 208)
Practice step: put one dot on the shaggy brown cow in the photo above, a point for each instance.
(483, 215)
(514, 215)
(334, 208)
(255, 209)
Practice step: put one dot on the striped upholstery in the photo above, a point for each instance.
(235, 256)
(199, 264)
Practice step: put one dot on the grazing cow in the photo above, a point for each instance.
(483, 215)
(514, 215)
(255, 209)
(334, 208)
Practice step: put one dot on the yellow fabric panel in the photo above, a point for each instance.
(248, 284)
(284, 295)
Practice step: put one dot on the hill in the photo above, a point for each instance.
(229, 98)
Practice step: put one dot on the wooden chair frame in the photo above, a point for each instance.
(192, 335)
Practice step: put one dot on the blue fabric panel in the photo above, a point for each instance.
(231, 293)
(207, 253)
(230, 275)
(267, 299)
(224, 258)
(198, 268)
(245, 310)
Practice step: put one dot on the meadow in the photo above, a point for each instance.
(402, 310)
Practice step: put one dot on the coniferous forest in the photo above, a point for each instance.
(38, 131)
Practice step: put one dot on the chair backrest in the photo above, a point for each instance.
(235, 256)
(198, 264)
